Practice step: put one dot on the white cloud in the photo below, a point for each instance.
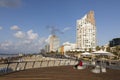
(1, 28)
(66, 29)
(19, 34)
(48, 39)
(10, 3)
(23, 46)
(15, 27)
(66, 43)
(5, 45)
(31, 35)
(27, 42)
(42, 40)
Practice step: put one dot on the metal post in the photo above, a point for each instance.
(65, 62)
(17, 66)
(6, 70)
(48, 63)
(25, 65)
(33, 64)
(69, 62)
(59, 63)
(54, 63)
(41, 63)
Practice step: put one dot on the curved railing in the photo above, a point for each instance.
(18, 66)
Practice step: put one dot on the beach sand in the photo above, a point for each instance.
(62, 73)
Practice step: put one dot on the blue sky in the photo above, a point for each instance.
(23, 23)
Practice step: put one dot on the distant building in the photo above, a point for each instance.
(86, 32)
(114, 42)
(54, 43)
(61, 50)
(68, 46)
(105, 47)
(47, 48)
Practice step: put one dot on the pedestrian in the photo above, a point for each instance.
(80, 63)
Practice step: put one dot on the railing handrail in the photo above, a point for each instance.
(23, 65)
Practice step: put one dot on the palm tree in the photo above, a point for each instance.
(118, 51)
(102, 47)
(97, 48)
(90, 50)
(108, 49)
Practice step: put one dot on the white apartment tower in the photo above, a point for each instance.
(86, 32)
(54, 43)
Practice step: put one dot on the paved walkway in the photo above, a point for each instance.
(61, 73)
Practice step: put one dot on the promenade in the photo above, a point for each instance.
(61, 73)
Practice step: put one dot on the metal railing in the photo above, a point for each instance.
(18, 66)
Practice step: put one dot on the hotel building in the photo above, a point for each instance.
(86, 32)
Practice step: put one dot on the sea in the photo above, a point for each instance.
(8, 55)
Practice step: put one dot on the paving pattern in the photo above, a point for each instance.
(61, 73)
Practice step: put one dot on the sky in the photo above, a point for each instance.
(25, 24)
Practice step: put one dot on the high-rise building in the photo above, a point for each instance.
(54, 43)
(114, 42)
(86, 32)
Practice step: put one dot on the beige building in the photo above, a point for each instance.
(86, 32)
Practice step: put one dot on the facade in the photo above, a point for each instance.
(61, 50)
(86, 32)
(114, 42)
(47, 48)
(69, 46)
(54, 43)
